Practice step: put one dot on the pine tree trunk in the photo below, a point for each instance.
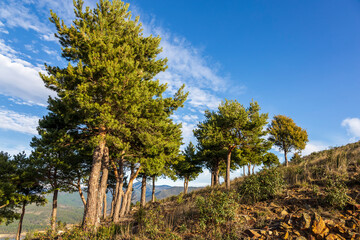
(286, 160)
(105, 207)
(113, 202)
(103, 184)
(128, 206)
(153, 190)
(216, 174)
(143, 191)
(119, 191)
(244, 172)
(212, 178)
(185, 191)
(81, 193)
(18, 235)
(186, 185)
(54, 210)
(90, 212)
(124, 205)
(253, 169)
(228, 161)
(249, 169)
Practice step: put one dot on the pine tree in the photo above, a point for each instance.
(59, 160)
(28, 186)
(270, 160)
(189, 168)
(108, 87)
(8, 189)
(286, 135)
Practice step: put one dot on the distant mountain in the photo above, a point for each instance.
(70, 208)
(161, 191)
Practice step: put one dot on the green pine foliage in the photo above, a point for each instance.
(286, 135)
(190, 167)
(8, 189)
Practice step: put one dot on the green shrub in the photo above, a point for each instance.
(335, 193)
(150, 222)
(217, 209)
(262, 186)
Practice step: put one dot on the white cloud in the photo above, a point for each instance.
(15, 149)
(15, 14)
(21, 80)
(314, 146)
(2, 28)
(186, 65)
(50, 52)
(203, 99)
(10, 120)
(352, 126)
(187, 132)
(190, 118)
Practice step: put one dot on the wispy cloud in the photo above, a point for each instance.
(352, 126)
(19, 79)
(187, 65)
(16, 14)
(314, 146)
(10, 120)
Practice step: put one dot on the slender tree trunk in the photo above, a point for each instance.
(128, 205)
(119, 190)
(153, 189)
(286, 160)
(105, 207)
(103, 184)
(212, 178)
(90, 212)
(54, 210)
(249, 169)
(125, 203)
(81, 193)
(228, 161)
(113, 202)
(186, 185)
(244, 172)
(216, 174)
(143, 191)
(253, 169)
(18, 235)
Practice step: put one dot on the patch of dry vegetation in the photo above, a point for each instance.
(319, 199)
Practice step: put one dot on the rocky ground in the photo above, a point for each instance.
(299, 216)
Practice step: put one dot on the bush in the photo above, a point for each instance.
(262, 186)
(150, 221)
(217, 209)
(335, 193)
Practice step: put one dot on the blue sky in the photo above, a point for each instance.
(296, 58)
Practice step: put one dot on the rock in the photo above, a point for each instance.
(286, 236)
(284, 213)
(318, 226)
(252, 233)
(351, 223)
(285, 226)
(332, 236)
(339, 229)
(305, 221)
(311, 237)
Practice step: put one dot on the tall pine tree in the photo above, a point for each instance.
(107, 87)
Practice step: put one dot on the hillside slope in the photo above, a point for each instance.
(70, 208)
